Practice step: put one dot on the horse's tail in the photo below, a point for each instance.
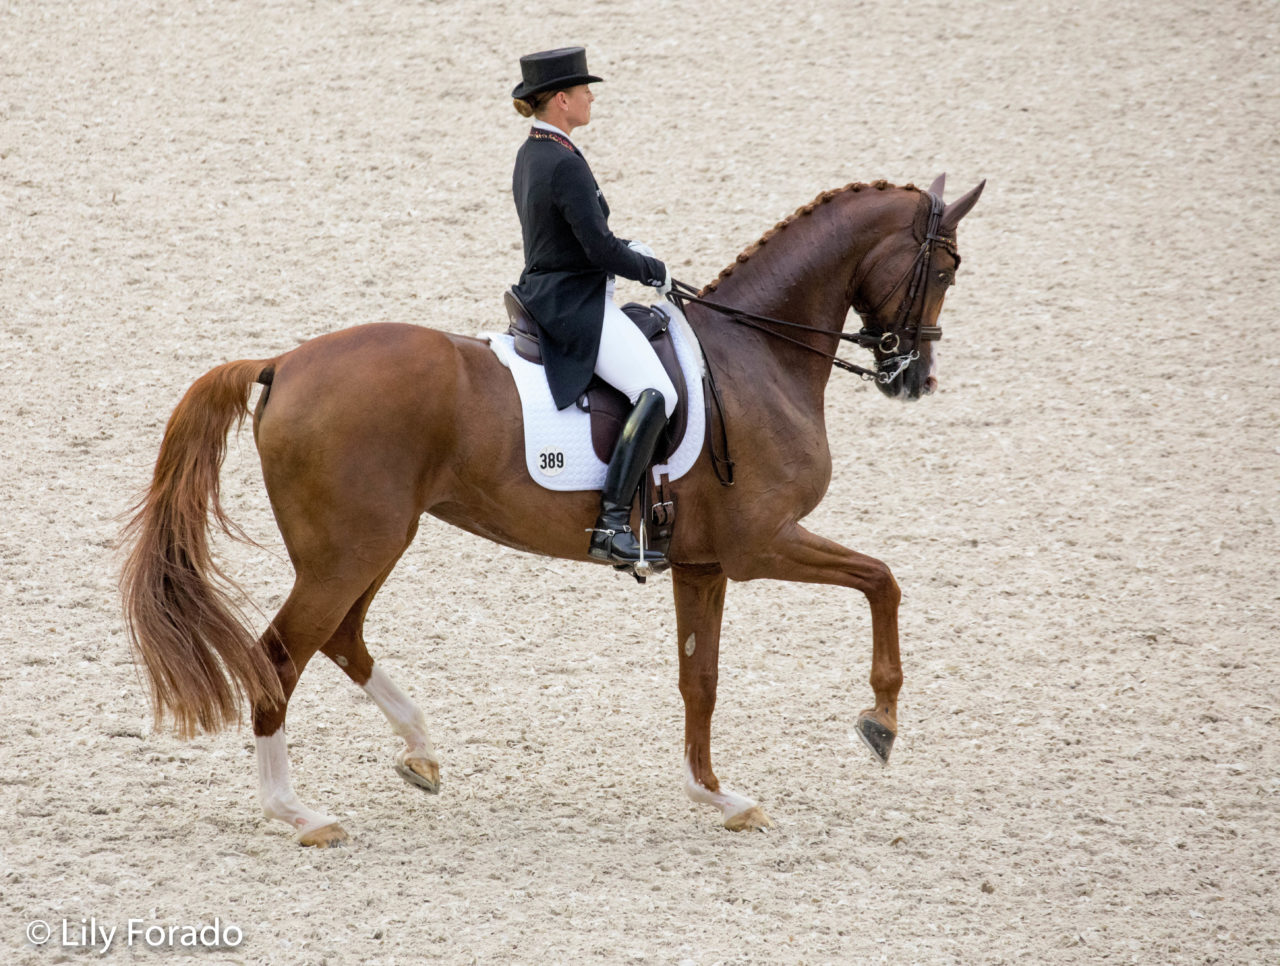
(201, 660)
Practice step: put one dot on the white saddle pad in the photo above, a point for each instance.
(557, 442)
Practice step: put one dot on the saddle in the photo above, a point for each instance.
(607, 406)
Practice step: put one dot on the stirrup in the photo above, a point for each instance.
(642, 570)
(630, 569)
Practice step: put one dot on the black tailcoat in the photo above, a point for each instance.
(569, 253)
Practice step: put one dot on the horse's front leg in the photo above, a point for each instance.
(699, 594)
(799, 555)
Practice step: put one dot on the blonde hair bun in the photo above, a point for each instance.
(534, 103)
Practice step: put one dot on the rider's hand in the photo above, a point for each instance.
(641, 248)
(665, 287)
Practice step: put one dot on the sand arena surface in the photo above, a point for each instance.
(1083, 521)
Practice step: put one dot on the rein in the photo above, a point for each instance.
(682, 293)
(887, 369)
(886, 341)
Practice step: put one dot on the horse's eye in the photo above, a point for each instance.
(946, 279)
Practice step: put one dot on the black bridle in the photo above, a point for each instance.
(918, 272)
(886, 341)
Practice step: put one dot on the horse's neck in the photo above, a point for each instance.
(804, 273)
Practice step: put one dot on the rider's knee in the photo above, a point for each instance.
(667, 391)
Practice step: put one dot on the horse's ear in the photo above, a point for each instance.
(959, 208)
(939, 183)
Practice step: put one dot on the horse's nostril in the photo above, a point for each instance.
(930, 385)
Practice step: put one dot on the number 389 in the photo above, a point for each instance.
(551, 461)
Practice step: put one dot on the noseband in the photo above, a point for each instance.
(886, 341)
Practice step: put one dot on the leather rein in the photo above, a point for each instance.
(889, 341)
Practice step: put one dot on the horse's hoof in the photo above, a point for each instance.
(876, 737)
(421, 773)
(752, 818)
(325, 837)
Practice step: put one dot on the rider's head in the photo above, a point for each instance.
(554, 87)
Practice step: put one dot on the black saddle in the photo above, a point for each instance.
(609, 407)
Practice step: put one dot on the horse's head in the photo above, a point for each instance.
(901, 295)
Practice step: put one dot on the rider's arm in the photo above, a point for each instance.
(577, 197)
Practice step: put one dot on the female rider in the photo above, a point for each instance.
(570, 260)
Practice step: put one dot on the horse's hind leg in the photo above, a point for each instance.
(325, 593)
(699, 595)
(304, 623)
(417, 763)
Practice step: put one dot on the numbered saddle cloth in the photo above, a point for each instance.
(558, 447)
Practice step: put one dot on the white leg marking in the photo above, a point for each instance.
(405, 716)
(276, 793)
(730, 804)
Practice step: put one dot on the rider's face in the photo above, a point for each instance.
(577, 111)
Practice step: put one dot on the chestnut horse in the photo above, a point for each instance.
(362, 431)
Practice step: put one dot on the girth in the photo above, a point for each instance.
(607, 406)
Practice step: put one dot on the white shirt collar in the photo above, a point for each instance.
(544, 126)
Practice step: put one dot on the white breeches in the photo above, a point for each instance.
(626, 361)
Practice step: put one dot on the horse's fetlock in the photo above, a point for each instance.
(885, 684)
(276, 807)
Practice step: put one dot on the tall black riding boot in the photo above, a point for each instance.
(612, 538)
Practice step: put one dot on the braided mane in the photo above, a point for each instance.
(800, 212)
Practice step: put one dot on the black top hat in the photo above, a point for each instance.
(553, 70)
